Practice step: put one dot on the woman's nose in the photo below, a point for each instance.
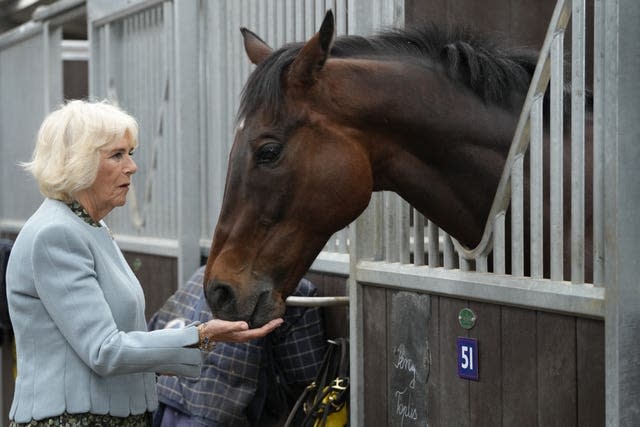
(131, 168)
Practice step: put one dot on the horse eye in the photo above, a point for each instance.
(268, 153)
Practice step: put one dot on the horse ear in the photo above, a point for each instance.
(256, 48)
(313, 54)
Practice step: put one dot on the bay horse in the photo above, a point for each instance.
(425, 113)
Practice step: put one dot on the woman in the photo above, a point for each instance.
(84, 354)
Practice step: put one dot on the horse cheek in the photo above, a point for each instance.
(351, 191)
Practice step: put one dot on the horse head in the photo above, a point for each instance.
(290, 160)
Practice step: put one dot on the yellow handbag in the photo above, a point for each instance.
(325, 402)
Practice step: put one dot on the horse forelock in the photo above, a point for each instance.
(264, 88)
(490, 70)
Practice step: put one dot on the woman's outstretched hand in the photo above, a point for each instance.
(224, 331)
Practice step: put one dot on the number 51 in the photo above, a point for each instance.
(467, 358)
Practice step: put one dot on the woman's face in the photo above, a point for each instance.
(112, 181)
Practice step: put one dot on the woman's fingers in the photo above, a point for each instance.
(221, 330)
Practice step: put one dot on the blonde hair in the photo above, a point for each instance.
(67, 152)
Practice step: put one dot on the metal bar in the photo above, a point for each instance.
(294, 301)
(537, 294)
(127, 11)
(464, 263)
(418, 238)
(556, 157)
(622, 204)
(499, 262)
(577, 141)
(482, 264)
(598, 143)
(18, 34)
(536, 188)
(539, 82)
(434, 244)
(390, 231)
(404, 232)
(448, 252)
(46, 52)
(517, 216)
(46, 12)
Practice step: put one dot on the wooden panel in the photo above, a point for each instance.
(454, 391)
(590, 355)
(375, 326)
(519, 378)
(536, 368)
(485, 400)
(433, 380)
(409, 364)
(556, 339)
(158, 276)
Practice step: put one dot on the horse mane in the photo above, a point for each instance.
(492, 71)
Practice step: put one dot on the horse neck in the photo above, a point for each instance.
(434, 142)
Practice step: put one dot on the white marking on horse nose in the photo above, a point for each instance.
(241, 125)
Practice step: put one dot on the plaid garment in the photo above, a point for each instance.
(230, 372)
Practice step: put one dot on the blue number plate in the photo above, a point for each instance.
(467, 358)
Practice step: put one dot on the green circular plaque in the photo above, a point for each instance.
(467, 318)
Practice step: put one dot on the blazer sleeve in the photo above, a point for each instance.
(67, 285)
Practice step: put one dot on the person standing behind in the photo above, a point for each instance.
(84, 355)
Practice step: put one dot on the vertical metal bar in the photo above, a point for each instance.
(577, 141)
(536, 187)
(391, 228)
(342, 243)
(622, 204)
(598, 143)
(184, 29)
(299, 21)
(356, 321)
(404, 232)
(434, 244)
(418, 238)
(499, 263)
(517, 216)
(290, 20)
(556, 157)
(448, 252)
(465, 264)
(341, 17)
(46, 51)
(481, 264)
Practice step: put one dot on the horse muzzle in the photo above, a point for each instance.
(256, 308)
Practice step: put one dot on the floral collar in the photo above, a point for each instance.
(79, 210)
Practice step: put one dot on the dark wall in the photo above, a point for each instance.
(158, 276)
(336, 319)
(517, 22)
(75, 80)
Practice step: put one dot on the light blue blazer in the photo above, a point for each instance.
(78, 316)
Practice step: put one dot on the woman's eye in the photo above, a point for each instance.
(268, 153)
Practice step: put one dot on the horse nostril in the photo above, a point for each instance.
(221, 295)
